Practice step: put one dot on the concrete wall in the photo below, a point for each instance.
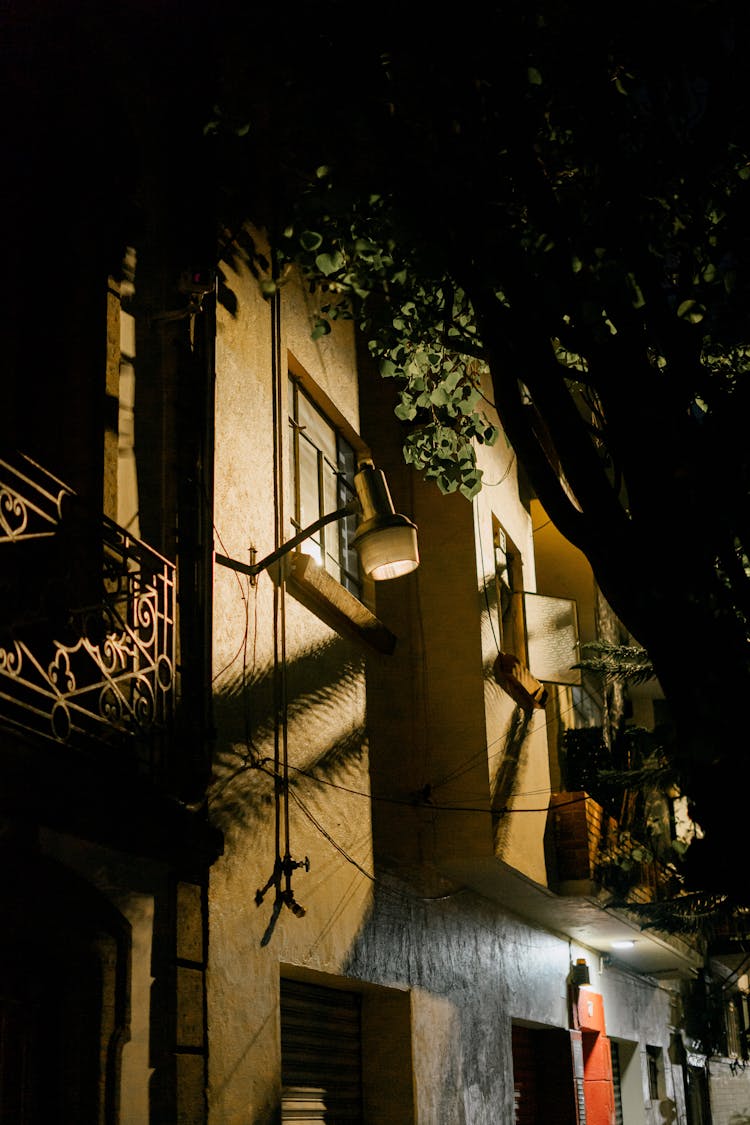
(729, 1093)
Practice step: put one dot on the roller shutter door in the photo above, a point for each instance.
(616, 1082)
(542, 1076)
(321, 1054)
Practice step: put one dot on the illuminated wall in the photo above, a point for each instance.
(389, 766)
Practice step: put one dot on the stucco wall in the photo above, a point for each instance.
(729, 1093)
(411, 731)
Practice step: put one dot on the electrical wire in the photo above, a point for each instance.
(736, 974)
(244, 597)
(367, 874)
(412, 802)
(468, 764)
(541, 526)
(497, 483)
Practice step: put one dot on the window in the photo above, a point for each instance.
(321, 1052)
(345, 1051)
(655, 1072)
(323, 466)
(509, 581)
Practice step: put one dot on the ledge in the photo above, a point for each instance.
(315, 589)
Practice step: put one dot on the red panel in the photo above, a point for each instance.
(597, 1057)
(600, 1103)
(590, 1011)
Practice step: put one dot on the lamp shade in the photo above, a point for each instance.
(385, 541)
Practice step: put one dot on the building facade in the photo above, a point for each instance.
(387, 900)
(401, 899)
(286, 843)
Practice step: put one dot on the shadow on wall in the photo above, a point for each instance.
(511, 744)
(459, 955)
(505, 779)
(322, 692)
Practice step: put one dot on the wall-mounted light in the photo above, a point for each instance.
(385, 541)
(623, 944)
(579, 973)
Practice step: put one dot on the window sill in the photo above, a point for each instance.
(315, 589)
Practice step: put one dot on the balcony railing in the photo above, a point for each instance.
(103, 673)
(591, 852)
(31, 501)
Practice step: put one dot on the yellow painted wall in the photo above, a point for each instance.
(391, 763)
(518, 765)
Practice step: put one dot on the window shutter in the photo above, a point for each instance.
(321, 1054)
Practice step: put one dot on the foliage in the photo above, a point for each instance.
(686, 913)
(421, 329)
(557, 193)
(628, 664)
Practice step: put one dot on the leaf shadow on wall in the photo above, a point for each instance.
(326, 739)
(324, 735)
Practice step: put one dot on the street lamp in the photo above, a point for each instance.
(385, 541)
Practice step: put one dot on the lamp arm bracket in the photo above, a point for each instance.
(253, 569)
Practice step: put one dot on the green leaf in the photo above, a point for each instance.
(322, 328)
(310, 240)
(330, 263)
(691, 311)
(405, 411)
(469, 489)
(534, 76)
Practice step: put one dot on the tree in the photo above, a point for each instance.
(560, 193)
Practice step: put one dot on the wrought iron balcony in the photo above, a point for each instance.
(97, 671)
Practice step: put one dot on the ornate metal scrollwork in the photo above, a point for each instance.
(111, 679)
(31, 501)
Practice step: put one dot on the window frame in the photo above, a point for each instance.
(334, 542)
(508, 570)
(655, 1071)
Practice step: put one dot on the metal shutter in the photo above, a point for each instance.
(524, 1076)
(321, 1054)
(616, 1082)
(542, 1076)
